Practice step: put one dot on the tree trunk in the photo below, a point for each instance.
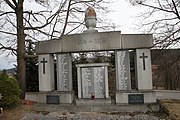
(21, 67)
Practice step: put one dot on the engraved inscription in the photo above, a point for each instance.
(52, 99)
(99, 84)
(87, 82)
(93, 82)
(96, 41)
(136, 98)
(122, 78)
(63, 72)
(122, 70)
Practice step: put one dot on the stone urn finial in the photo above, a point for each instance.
(90, 19)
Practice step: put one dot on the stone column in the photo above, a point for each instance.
(123, 77)
(46, 72)
(143, 69)
(64, 78)
(64, 72)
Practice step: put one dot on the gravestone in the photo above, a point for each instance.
(64, 72)
(123, 78)
(92, 79)
(143, 69)
(46, 72)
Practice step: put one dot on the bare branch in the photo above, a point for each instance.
(66, 20)
(7, 32)
(10, 4)
(6, 48)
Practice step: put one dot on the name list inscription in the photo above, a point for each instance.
(63, 72)
(93, 82)
(122, 69)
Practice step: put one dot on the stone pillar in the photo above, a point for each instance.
(64, 72)
(143, 69)
(123, 77)
(64, 78)
(46, 72)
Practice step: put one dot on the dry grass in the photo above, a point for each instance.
(17, 112)
(172, 108)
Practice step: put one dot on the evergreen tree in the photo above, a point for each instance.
(31, 69)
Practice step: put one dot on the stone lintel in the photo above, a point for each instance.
(134, 41)
(95, 41)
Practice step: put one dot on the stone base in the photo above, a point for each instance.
(123, 97)
(64, 97)
(93, 102)
(97, 108)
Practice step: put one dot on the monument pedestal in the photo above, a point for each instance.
(56, 97)
(135, 97)
(93, 102)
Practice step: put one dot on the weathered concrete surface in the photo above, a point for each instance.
(167, 94)
(143, 70)
(122, 97)
(132, 41)
(46, 72)
(95, 41)
(160, 94)
(65, 97)
(96, 108)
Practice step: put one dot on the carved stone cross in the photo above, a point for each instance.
(43, 62)
(143, 57)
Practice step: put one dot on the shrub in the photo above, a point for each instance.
(10, 91)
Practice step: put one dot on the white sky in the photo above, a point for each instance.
(123, 15)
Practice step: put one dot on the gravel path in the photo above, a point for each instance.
(89, 116)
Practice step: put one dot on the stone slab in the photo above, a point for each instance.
(122, 97)
(64, 72)
(96, 41)
(46, 72)
(92, 79)
(64, 97)
(132, 41)
(143, 108)
(123, 77)
(93, 102)
(143, 69)
(168, 94)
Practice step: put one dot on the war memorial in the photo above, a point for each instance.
(92, 78)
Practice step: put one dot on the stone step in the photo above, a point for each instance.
(93, 102)
(97, 108)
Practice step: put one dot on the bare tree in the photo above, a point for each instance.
(162, 18)
(45, 21)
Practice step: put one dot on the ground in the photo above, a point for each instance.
(17, 112)
(170, 107)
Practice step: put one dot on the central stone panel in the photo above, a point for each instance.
(92, 80)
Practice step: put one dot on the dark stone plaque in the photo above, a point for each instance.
(52, 99)
(136, 98)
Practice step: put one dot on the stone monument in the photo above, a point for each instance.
(93, 78)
